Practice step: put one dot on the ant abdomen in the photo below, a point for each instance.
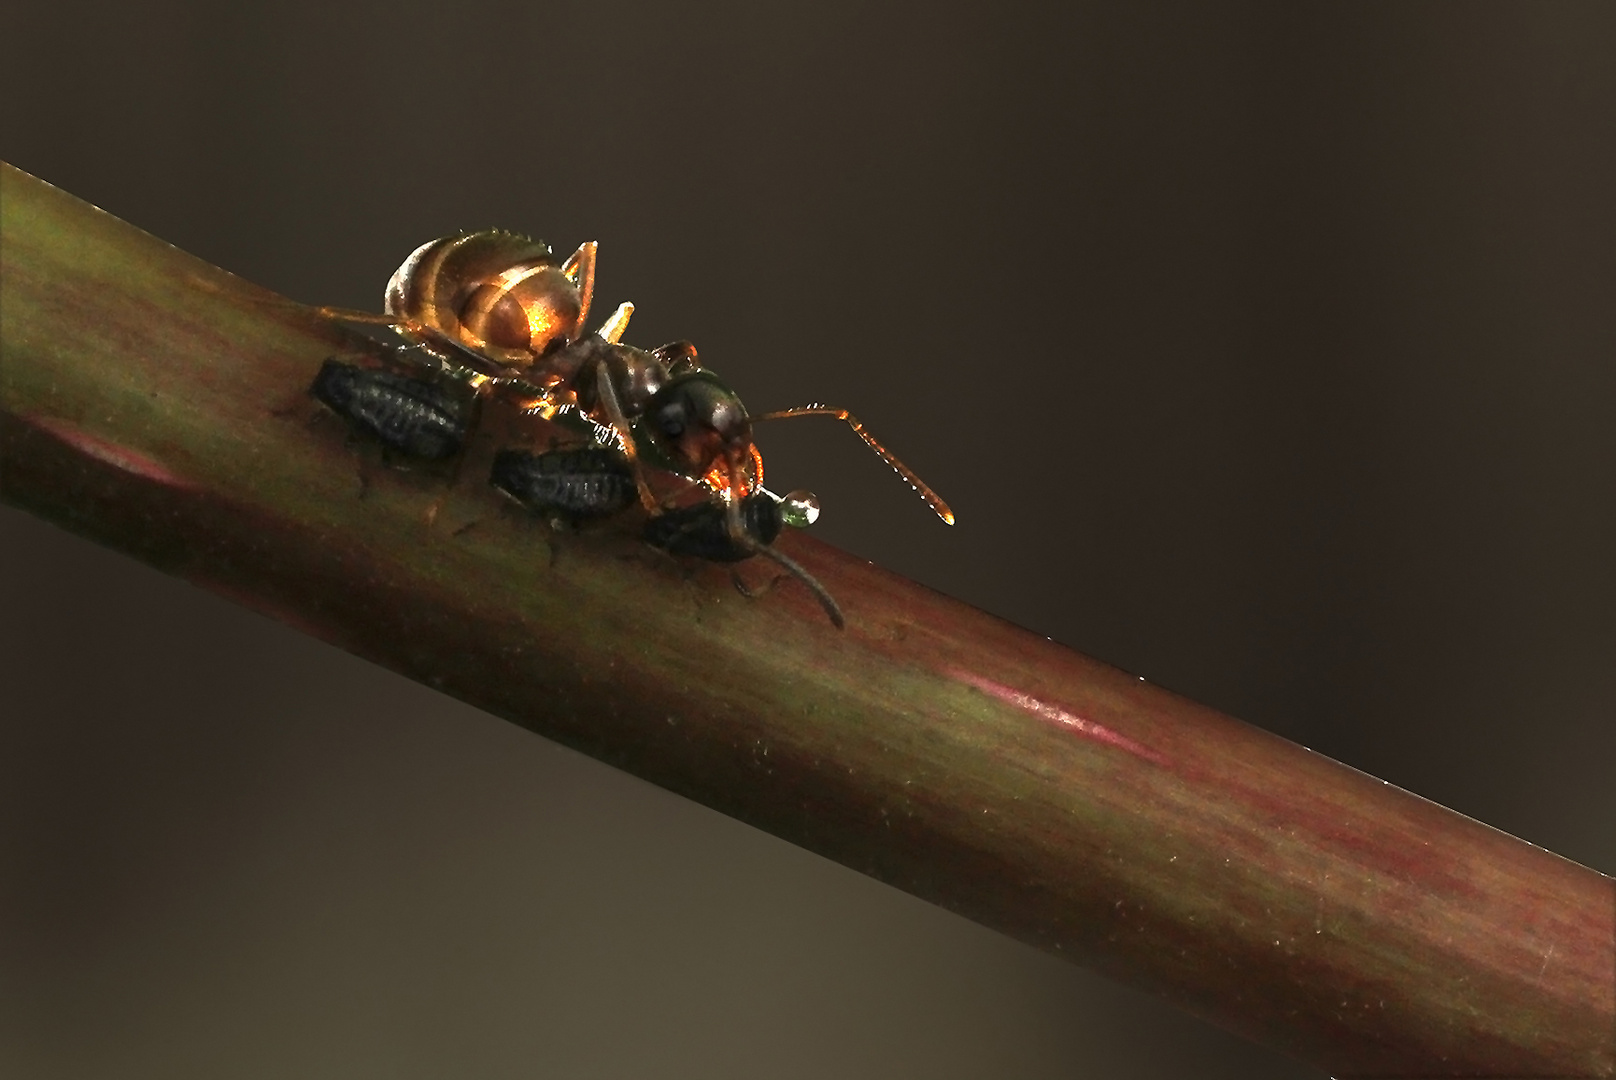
(494, 294)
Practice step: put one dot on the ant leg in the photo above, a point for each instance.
(376, 318)
(926, 493)
(580, 270)
(617, 322)
(340, 314)
(625, 434)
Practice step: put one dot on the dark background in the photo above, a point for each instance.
(1265, 350)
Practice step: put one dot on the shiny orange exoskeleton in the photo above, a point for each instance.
(492, 296)
(498, 310)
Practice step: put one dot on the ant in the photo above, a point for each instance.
(580, 483)
(493, 309)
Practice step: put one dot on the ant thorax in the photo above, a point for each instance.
(634, 374)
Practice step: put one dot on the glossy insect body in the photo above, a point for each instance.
(573, 485)
(702, 531)
(491, 296)
(496, 308)
(419, 418)
(734, 531)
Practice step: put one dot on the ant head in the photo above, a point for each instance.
(701, 425)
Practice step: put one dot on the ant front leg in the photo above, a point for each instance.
(353, 315)
(625, 434)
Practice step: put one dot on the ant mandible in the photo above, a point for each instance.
(494, 309)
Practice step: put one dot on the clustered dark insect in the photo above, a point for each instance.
(492, 313)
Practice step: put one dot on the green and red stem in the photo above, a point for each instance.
(157, 404)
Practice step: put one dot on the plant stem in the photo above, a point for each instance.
(158, 405)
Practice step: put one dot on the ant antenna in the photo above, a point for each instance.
(825, 599)
(797, 510)
(930, 497)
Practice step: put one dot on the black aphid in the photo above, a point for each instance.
(709, 531)
(573, 484)
(702, 531)
(417, 418)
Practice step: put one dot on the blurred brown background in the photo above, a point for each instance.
(1265, 350)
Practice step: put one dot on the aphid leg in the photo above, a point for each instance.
(293, 408)
(554, 529)
(617, 322)
(580, 270)
(364, 470)
(752, 592)
(931, 498)
(474, 418)
(625, 435)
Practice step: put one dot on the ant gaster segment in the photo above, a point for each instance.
(708, 531)
(419, 418)
(495, 306)
(491, 296)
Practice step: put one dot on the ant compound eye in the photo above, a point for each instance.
(800, 509)
(671, 420)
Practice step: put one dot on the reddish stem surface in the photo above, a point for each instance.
(157, 404)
